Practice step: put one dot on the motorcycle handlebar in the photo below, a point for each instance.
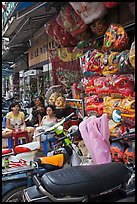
(130, 136)
(56, 125)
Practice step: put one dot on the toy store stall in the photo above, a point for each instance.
(109, 76)
(95, 58)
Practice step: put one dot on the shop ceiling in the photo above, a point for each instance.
(23, 29)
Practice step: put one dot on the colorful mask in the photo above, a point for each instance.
(60, 102)
(115, 38)
(129, 155)
(98, 27)
(109, 62)
(116, 129)
(94, 61)
(132, 55)
(117, 151)
(53, 98)
(123, 85)
(128, 107)
(124, 64)
(94, 104)
(89, 11)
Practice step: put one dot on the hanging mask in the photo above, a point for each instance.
(109, 63)
(129, 155)
(132, 55)
(117, 151)
(115, 38)
(124, 64)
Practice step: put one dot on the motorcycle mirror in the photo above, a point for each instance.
(116, 116)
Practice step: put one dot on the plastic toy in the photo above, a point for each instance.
(60, 102)
(115, 38)
(117, 151)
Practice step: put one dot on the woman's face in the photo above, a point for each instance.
(49, 111)
(37, 102)
(15, 108)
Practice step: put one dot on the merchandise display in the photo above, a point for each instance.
(89, 11)
(132, 55)
(72, 23)
(115, 38)
(117, 151)
(99, 26)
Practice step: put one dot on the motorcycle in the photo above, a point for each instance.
(22, 154)
(111, 181)
(64, 153)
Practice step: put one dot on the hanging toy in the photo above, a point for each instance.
(132, 55)
(117, 151)
(115, 38)
(129, 155)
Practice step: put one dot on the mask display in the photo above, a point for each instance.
(124, 66)
(132, 55)
(117, 151)
(109, 62)
(93, 63)
(129, 155)
(60, 102)
(94, 104)
(115, 38)
(53, 98)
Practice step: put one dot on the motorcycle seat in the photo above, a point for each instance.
(6, 151)
(31, 146)
(84, 180)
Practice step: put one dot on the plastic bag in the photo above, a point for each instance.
(89, 11)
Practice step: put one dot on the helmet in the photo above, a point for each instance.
(129, 155)
(117, 151)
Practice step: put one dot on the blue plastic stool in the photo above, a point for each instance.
(45, 144)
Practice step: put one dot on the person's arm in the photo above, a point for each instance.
(39, 119)
(8, 125)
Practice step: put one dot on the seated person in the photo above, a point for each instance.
(47, 121)
(38, 111)
(15, 119)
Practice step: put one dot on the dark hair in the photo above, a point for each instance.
(50, 106)
(41, 99)
(13, 105)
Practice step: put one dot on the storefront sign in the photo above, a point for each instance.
(38, 53)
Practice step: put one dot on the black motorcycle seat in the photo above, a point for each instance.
(84, 180)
